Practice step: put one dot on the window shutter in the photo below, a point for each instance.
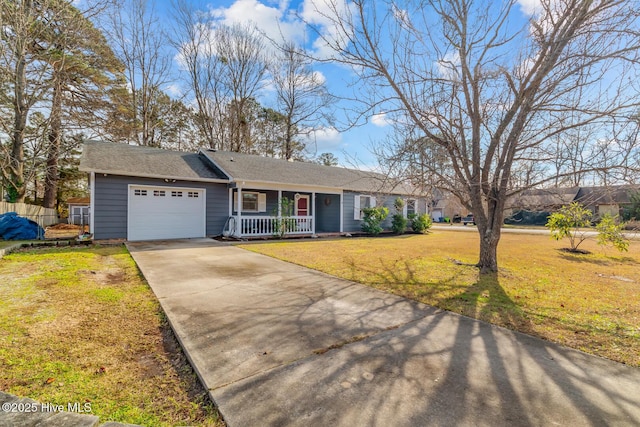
(262, 202)
(235, 202)
(356, 207)
(373, 202)
(405, 207)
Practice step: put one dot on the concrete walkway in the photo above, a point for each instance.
(280, 345)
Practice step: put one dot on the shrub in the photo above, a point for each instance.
(284, 223)
(399, 222)
(420, 223)
(574, 221)
(610, 232)
(568, 221)
(373, 218)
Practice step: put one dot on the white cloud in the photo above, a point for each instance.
(380, 120)
(323, 140)
(174, 90)
(449, 65)
(322, 15)
(277, 22)
(530, 7)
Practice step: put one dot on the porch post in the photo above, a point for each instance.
(239, 211)
(313, 212)
(342, 211)
(279, 203)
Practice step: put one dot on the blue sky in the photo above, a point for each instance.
(275, 17)
(286, 18)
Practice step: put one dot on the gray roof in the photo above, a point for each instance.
(615, 194)
(540, 199)
(133, 160)
(249, 167)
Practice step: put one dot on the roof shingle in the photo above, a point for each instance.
(131, 160)
(249, 167)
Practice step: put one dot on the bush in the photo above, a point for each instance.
(420, 223)
(610, 233)
(568, 221)
(574, 221)
(399, 222)
(373, 218)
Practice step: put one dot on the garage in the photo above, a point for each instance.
(165, 213)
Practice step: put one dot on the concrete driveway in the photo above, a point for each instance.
(281, 345)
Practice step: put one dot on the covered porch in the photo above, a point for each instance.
(255, 212)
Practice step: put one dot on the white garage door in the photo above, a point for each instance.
(165, 213)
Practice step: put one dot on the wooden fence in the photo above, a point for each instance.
(43, 216)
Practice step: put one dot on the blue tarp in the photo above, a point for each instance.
(14, 227)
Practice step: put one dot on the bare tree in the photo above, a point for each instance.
(194, 40)
(490, 92)
(302, 96)
(226, 67)
(242, 51)
(140, 43)
(22, 85)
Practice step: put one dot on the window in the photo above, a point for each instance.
(361, 202)
(176, 194)
(250, 202)
(410, 207)
(137, 192)
(192, 194)
(159, 193)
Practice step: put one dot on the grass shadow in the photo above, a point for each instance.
(484, 299)
(487, 300)
(400, 277)
(589, 258)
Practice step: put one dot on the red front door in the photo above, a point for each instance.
(302, 206)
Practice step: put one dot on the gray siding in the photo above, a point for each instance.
(352, 225)
(328, 213)
(349, 224)
(111, 198)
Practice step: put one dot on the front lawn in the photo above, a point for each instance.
(81, 326)
(589, 302)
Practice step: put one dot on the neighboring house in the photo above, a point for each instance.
(541, 200)
(445, 206)
(141, 193)
(606, 200)
(599, 200)
(78, 210)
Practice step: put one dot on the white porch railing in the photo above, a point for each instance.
(250, 226)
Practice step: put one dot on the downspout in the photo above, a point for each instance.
(92, 200)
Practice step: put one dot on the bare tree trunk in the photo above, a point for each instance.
(21, 110)
(53, 150)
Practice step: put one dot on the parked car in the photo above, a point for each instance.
(468, 220)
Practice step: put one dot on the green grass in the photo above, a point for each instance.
(81, 325)
(589, 302)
